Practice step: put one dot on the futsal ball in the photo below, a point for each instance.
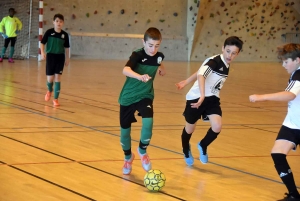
(154, 180)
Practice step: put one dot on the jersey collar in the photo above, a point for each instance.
(227, 65)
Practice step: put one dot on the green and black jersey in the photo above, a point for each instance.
(56, 42)
(134, 90)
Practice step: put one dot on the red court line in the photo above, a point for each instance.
(118, 160)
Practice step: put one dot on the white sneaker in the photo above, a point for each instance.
(128, 165)
(145, 161)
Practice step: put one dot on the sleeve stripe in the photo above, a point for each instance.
(291, 84)
(207, 72)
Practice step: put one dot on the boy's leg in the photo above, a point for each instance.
(59, 66)
(211, 135)
(185, 141)
(50, 79)
(6, 42)
(145, 108)
(12, 49)
(126, 118)
(284, 143)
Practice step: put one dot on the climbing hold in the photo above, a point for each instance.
(95, 12)
(122, 11)
(148, 21)
(161, 20)
(52, 9)
(136, 13)
(73, 16)
(135, 21)
(87, 14)
(211, 15)
(222, 4)
(191, 8)
(175, 14)
(109, 12)
(74, 6)
(101, 24)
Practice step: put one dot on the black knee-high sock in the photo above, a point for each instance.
(209, 138)
(285, 173)
(185, 140)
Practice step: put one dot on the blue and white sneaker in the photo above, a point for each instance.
(203, 158)
(190, 160)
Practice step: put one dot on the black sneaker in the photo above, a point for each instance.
(289, 197)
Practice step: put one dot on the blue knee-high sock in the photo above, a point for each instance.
(3, 52)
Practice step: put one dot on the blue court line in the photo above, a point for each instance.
(168, 150)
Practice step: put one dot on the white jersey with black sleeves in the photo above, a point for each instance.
(215, 71)
(292, 119)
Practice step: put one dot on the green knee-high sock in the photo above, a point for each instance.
(146, 134)
(11, 53)
(56, 89)
(126, 142)
(3, 52)
(50, 86)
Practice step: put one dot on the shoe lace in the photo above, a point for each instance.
(127, 164)
(146, 159)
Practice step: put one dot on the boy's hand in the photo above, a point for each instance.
(180, 85)
(196, 105)
(67, 62)
(254, 98)
(4, 35)
(161, 72)
(144, 78)
(17, 32)
(43, 55)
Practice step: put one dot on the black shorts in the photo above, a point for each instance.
(55, 63)
(210, 105)
(12, 41)
(291, 135)
(144, 107)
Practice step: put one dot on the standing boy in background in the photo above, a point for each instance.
(203, 98)
(58, 49)
(138, 94)
(12, 26)
(289, 135)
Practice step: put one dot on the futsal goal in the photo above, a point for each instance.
(26, 44)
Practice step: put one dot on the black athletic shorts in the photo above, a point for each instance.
(289, 134)
(55, 63)
(210, 105)
(144, 107)
(12, 41)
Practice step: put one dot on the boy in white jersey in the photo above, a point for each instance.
(289, 135)
(203, 98)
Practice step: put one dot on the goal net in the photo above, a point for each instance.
(23, 12)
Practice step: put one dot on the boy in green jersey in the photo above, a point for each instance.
(138, 94)
(58, 49)
(12, 26)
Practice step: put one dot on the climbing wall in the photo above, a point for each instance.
(114, 16)
(260, 24)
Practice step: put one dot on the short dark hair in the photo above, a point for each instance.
(234, 40)
(290, 50)
(11, 9)
(152, 33)
(59, 16)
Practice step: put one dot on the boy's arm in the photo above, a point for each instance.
(183, 83)
(201, 84)
(130, 73)
(43, 54)
(1, 27)
(161, 70)
(280, 96)
(20, 25)
(67, 55)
